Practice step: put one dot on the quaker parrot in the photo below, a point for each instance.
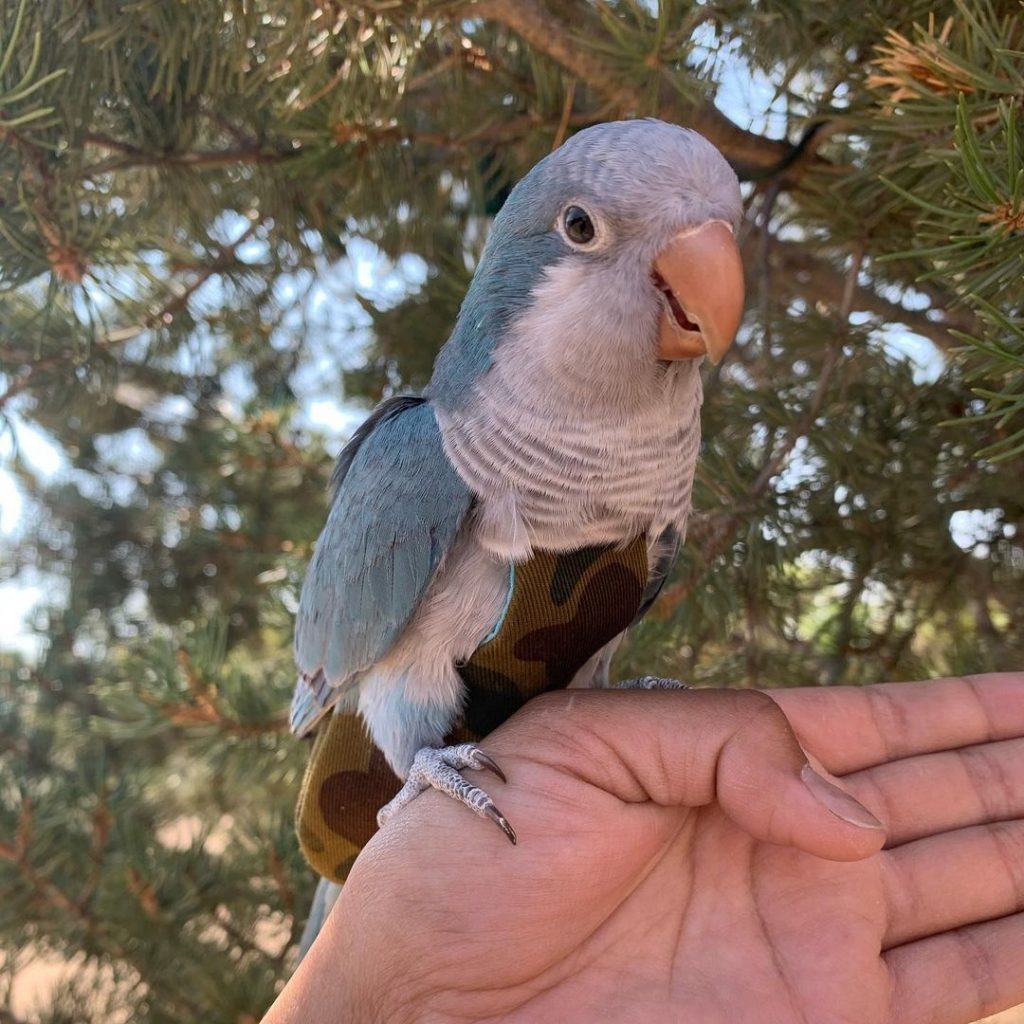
(494, 536)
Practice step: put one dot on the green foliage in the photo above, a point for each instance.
(975, 238)
(221, 221)
(1001, 359)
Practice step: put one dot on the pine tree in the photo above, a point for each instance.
(220, 221)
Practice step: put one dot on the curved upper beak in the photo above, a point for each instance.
(700, 275)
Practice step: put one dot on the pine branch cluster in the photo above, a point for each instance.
(227, 228)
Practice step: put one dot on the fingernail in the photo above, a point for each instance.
(839, 802)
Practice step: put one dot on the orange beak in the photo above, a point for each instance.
(700, 276)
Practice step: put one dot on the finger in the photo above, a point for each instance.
(924, 796)
(850, 728)
(959, 976)
(689, 748)
(946, 882)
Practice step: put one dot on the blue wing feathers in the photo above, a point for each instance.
(388, 408)
(398, 505)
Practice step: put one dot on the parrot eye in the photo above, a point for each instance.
(579, 228)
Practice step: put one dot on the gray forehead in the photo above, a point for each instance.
(634, 171)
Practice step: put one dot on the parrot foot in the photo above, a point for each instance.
(652, 683)
(438, 768)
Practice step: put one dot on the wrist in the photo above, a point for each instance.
(369, 962)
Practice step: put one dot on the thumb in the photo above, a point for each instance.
(765, 784)
(692, 748)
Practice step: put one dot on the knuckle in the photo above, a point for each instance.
(761, 733)
(1008, 838)
(757, 708)
(990, 782)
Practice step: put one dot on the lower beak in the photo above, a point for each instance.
(700, 275)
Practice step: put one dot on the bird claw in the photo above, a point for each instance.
(487, 763)
(652, 683)
(438, 768)
(502, 822)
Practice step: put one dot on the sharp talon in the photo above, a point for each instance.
(438, 768)
(501, 821)
(652, 683)
(488, 762)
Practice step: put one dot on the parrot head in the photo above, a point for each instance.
(616, 250)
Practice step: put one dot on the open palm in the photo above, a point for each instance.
(674, 864)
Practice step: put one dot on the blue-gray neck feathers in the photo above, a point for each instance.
(500, 291)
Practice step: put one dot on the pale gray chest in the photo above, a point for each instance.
(573, 472)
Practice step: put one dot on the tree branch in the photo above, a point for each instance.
(155, 317)
(816, 280)
(16, 854)
(253, 152)
(133, 156)
(205, 709)
(751, 155)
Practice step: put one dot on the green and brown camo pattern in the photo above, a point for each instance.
(563, 609)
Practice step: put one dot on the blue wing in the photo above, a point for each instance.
(398, 505)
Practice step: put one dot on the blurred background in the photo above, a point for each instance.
(227, 229)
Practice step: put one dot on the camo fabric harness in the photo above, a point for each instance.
(561, 610)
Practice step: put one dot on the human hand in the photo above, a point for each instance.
(674, 865)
